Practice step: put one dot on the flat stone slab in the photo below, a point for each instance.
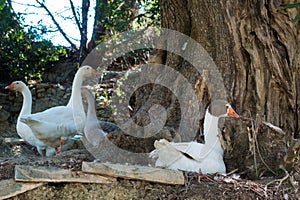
(53, 174)
(151, 174)
(10, 188)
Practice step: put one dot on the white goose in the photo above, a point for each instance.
(23, 130)
(57, 124)
(92, 129)
(193, 156)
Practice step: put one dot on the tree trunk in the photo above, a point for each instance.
(83, 30)
(255, 46)
(103, 16)
(99, 29)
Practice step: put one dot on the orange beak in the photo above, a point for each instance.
(11, 86)
(232, 113)
(95, 72)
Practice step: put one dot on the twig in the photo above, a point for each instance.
(280, 180)
(229, 173)
(56, 23)
(293, 184)
(262, 191)
(256, 144)
(75, 15)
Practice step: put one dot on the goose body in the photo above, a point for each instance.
(52, 134)
(58, 124)
(194, 156)
(92, 129)
(23, 130)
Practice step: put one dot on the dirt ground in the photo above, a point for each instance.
(197, 186)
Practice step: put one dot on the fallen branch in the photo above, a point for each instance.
(26, 173)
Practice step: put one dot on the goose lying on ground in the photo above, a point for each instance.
(193, 156)
(57, 124)
(23, 130)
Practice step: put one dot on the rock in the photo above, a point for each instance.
(51, 91)
(40, 95)
(53, 174)
(4, 115)
(15, 107)
(10, 188)
(136, 172)
(41, 90)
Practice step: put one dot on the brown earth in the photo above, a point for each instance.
(197, 186)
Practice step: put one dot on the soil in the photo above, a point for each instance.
(197, 186)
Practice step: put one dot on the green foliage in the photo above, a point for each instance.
(149, 15)
(21, 56)
(118, 15)
(24, 55)
(134, 17)
(294, 5)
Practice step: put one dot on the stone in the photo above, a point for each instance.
(28, 173)
(137, 172)
(10, 188)
(4, 115)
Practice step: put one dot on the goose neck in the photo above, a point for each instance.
(76, 91)
(210, 129)
(27, 102)
(91, 112)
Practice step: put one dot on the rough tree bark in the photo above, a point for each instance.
(255, 46)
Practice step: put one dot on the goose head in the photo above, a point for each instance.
(87, 71)
(216, 110)
(16, 86)
(221, 108)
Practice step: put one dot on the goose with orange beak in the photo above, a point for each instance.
(23, 130)
(57, 125)
(194, 156)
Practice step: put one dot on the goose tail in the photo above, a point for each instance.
(166, 154)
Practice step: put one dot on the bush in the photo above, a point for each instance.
(22, 56)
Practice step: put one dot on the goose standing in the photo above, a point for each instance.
(23, 130)
(57, 124)
(193, 156)
(92, 129)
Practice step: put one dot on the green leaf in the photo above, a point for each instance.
(297, 17)
(294, 5)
